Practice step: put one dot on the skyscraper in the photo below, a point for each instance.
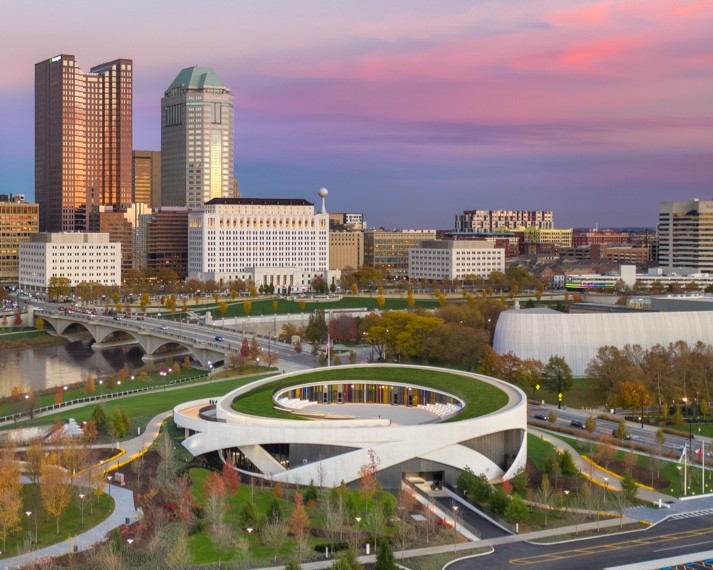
(147, 178)
(196, 139)
(83, 139)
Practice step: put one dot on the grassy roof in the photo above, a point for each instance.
(481, 397)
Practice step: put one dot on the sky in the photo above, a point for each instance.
(410, 111)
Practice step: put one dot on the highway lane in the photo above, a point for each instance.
(674, 443)
(669, 538)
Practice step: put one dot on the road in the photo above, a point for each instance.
(669, 538)
(645, 436)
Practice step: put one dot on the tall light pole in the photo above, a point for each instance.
(455, 527)
(81, 499)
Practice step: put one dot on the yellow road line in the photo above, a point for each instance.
(623, 545)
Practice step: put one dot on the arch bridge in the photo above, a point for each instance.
(153, 335)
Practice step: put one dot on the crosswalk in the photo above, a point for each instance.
(692, 514)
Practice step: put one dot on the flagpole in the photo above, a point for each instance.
(703, 468)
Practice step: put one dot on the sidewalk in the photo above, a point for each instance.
(123, 502)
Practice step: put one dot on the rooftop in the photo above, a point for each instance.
(197, 77)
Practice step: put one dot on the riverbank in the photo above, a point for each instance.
(14, 339)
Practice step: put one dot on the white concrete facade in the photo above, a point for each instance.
(451, 446)
(542, 333)
(76, 256)
(454, 259)
(268, 241)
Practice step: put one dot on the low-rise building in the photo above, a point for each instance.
(346, 249)
(437, 260)
(89, 257)
(387, 250)
(18, 221)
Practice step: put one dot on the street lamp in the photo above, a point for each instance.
(108, 478)
(81, 499)
(455, 527)
(29, 514)
(606, 482)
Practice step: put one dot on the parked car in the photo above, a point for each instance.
(577, 424)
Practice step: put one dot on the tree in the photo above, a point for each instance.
(89, 385)
(99, 417)
(410, 300)
(299, 519)
(247, 307)
(368, 481)
(557, 377)
(59, 288)
(517, 511)
(55, 489)
(347, 561)
(385, 557)
(631, 395)
(222, 308)
(33, 460)
(273, 534)
(10, 494)
(544, 494)
(316, 330)
(144, 302)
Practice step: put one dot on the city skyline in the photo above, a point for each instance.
(595, 110)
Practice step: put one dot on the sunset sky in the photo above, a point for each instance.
(411, 111)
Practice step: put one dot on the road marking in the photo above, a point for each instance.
(683, 546)
(623, 545)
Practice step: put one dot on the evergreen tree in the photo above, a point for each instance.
(385, 557)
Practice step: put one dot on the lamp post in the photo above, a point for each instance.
(606, 482)
(81, 502)
(455, 527)
(642, 409)
(29, 514)
(108, 478)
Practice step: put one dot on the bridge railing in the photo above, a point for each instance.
(99, 398)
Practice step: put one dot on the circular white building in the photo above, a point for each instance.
(542, 333)
(322, 425)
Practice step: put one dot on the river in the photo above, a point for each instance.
(43, 367)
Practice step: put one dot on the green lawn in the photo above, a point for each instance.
(481, 398)
(264, 306)
(145, 406)
(538, 450)
(9, 406)
(70, 522)
(585, 393)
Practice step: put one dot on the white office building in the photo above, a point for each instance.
(89, 257)
(685, 235)
(278, 241)
(454, 259)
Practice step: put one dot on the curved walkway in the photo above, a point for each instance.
(124, 508)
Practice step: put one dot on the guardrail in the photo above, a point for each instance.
(99, 398)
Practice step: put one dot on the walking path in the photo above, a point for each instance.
(124, 508)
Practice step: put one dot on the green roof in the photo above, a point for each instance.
(197, 77)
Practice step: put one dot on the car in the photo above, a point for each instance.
(219, 338)
(542, 417)
(164, 327)
(577, 424)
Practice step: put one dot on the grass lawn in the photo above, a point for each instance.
(145, 406)
(538, 450)
(264, 306)
(9, 406)
(70, 522)
(481, 398)
(585, 393)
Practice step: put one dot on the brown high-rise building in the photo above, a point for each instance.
(18, 221)
(167, 241)
(83, 139)
(147, 178)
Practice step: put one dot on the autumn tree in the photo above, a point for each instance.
(368, 481)
(89, 385)
(10, 495)
(247, 307)
(55, 489)
(298, 519)
(33, 460)
(222, 308)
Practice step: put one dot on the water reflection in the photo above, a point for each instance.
(49, 366)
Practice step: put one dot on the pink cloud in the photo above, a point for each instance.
(597, 52)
